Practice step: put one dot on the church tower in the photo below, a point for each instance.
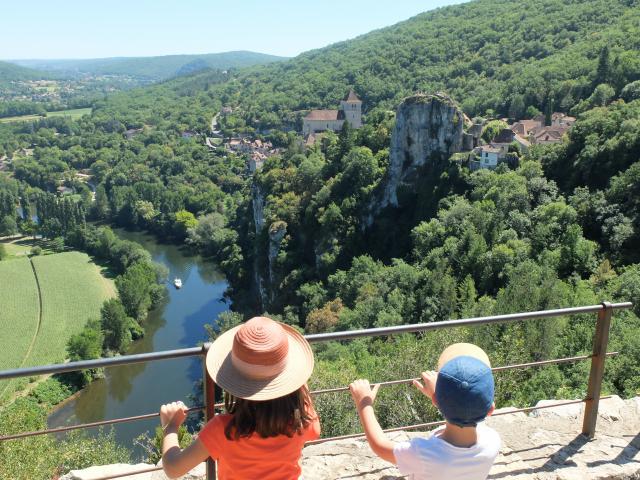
(351, 105)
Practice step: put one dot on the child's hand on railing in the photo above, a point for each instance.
(362, 393)
(429, 379)
(172, 415)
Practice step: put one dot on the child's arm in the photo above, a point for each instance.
(176, 462)
(429, 378)
(364, 396)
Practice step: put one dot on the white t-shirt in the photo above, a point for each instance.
(435, 459)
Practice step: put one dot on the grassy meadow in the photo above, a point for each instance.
(74, 114)
(72, 290)
(19, 313)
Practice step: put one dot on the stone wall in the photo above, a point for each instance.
(544, 445)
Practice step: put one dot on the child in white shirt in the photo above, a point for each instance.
(463, 448)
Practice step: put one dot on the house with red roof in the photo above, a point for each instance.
(350, 110)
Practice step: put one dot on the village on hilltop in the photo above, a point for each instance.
(520, 135)
(523, 133)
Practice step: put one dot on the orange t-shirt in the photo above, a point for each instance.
(254, 457)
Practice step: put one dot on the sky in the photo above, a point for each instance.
(110, 28)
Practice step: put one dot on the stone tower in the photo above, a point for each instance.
(351, 105)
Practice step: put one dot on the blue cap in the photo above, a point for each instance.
(464, 391)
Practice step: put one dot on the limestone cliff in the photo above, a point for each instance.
(277, 233)
(258, 202)
(428, 128)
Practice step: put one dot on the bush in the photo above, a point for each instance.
(36, 251)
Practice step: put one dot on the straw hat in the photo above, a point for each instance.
(465, 387)
(463, 349)
(260, 360)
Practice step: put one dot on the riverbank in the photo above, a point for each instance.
(177, 322)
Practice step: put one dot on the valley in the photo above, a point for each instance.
(474, 160)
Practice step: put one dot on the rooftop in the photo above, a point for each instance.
(351, 97)
(327, 115)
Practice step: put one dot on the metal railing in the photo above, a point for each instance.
(598, 357)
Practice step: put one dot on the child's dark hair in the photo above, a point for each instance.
(269, 418)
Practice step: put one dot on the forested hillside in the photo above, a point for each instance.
(488, 55)
(559, 226)
(10, 72)
(154, 68)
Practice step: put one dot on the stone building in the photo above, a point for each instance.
(322, 120)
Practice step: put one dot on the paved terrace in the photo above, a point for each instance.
(543, 445)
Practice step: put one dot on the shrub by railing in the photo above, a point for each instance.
(598, 357)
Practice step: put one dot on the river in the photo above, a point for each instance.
(178, 322)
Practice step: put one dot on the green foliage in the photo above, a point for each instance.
(44, 457)
(138, 289)
(631, 91)
(3, 252)
(492, 128)
(8, 226)
(114, 324)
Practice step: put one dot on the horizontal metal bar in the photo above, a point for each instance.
(315, 392)
(129, 474)
(465, 322)
(100, 363)
(321, 337)
(101, 423)
(495, 369)
(442, 422)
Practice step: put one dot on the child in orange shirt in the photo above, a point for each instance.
(263, 366)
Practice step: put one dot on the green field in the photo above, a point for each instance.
(72, 291)
(73, 114)
(15, 249)
(19, 312)
(21, 118)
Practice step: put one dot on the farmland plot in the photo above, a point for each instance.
(72, 292)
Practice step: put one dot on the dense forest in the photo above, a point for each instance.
(559, 227)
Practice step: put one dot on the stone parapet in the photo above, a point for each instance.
(544, 445)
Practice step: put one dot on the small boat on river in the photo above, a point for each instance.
(177, 282)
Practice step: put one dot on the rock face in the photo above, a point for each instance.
(277, 232)
(428, 128)
(258, 202)
(545, 445)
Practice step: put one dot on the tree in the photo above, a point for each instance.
(516, 107)
(185, 220)
(137, 289)
(324, 319)
(492, 128)
(115, 325)
(86, 345)
(631, 91)
(57, 244)
(8, 226)
(604, 67)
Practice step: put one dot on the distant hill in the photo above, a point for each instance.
(153, 68)
(10, 72)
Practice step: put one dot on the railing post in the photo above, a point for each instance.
(600, 341)
(208, 391)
